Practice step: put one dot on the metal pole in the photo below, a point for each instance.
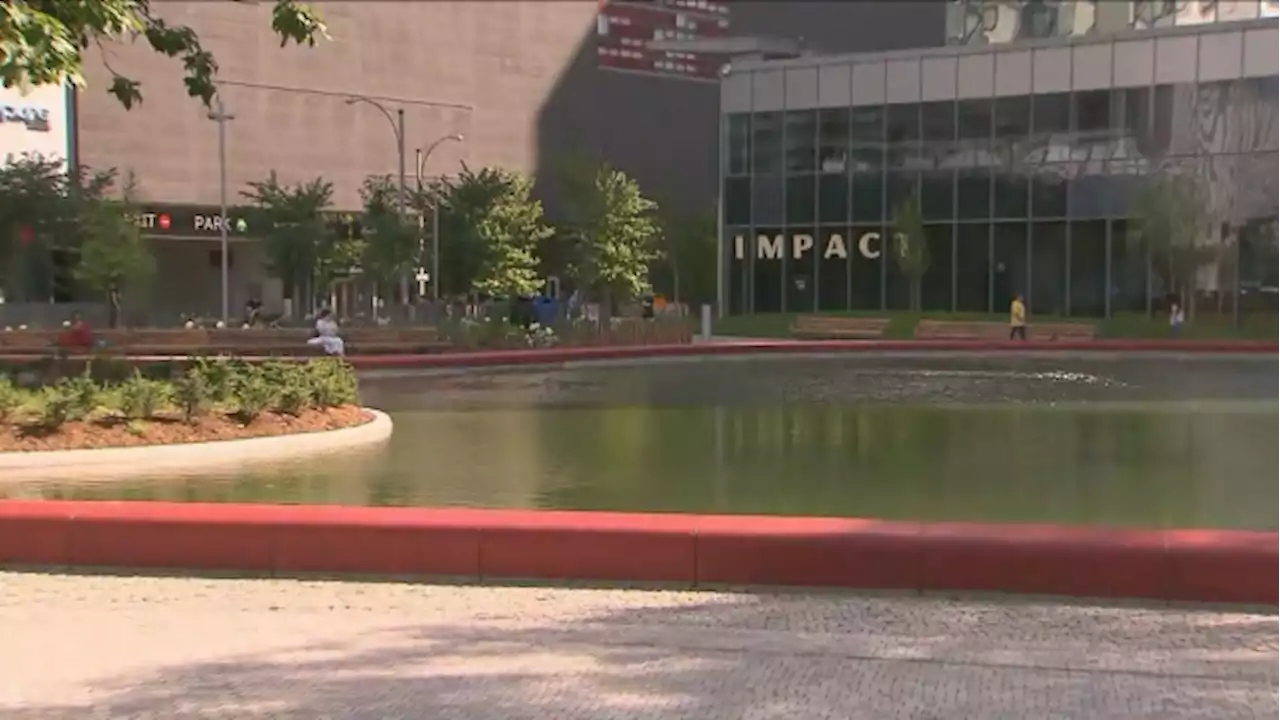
(400, 210)
(420, 162)
(220, 116)
(435, 246)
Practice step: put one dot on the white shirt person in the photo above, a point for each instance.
(327, 334)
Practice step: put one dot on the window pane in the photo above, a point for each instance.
(935, 288)
(737, 201)
(867, 200)
(974, 122)
(766, 199)
(832, 256)
(864, 271)
(936, 194)
(738, 248)
(802, 138)
(833, 140)
(939, 130)
(974, 192)
(1048, 269)
(904, 136)
(972, 267)
(1092, 111)
(739, 144)
(833, 198)
(766, 143)
(767, 272)
(1049, 191)
(801, 193)
(1011, 194)
(1010, 271)
(1128, 271)
(868, 139)
(1013, 118)
(1090, 195)
(901, 187)
(1089, 268)
(801, 269)
(1051, 113)
(973, 148)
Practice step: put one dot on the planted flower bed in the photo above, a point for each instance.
(208, 399)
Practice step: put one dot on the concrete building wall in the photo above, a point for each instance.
(480, 69)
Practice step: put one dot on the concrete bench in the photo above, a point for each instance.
(837, 327)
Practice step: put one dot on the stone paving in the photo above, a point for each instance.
(88, 647)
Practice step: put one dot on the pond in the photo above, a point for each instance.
(1149, 441)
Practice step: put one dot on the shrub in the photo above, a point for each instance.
(252, 392)
(217, 373)
(11, 398)
(140, 397)
(55, 406)
(332, 382)
(191, 393)
(82, 395)
(294, 394)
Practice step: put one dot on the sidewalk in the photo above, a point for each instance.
(107, 647)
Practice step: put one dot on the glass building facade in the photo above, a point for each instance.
(1026, 159)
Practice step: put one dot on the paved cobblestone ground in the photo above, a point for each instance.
(114, 647)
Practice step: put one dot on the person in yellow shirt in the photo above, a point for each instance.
(1017, 318)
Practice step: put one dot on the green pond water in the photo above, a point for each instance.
(1136, 441)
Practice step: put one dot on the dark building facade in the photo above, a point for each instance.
(1026, 158)
(653, 114)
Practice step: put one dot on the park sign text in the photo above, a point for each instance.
(801, 244)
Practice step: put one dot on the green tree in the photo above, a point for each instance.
(114, 257)
(482, 215)
(390, 246)
(41, 205)
(509, 232)
(43, 41)
(302, 246)
(1171, 215)
(688, 263)
(612, 234)
(910, 249)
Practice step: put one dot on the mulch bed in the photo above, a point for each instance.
(172, 430)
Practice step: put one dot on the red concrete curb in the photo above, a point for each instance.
(1176, 565)
(749, 347)
(492, 358)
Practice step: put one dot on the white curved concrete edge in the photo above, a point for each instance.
(190, 459)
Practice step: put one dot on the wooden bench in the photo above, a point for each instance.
(838, 327)
(988, 330)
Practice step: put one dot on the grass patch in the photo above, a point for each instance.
(1124, 325)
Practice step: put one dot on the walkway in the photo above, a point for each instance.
(106, 647)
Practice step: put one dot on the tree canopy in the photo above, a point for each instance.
(613, 233)
(43, 42)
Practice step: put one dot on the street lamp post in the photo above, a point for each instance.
(421, 157)
(397, 127)
(220, 116)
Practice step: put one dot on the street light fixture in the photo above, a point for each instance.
(221, 116)
(420, 165)
(397, 128)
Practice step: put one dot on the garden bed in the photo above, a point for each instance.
(208, 400)
(171, 429)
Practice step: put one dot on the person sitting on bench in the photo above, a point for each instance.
(327, 334)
